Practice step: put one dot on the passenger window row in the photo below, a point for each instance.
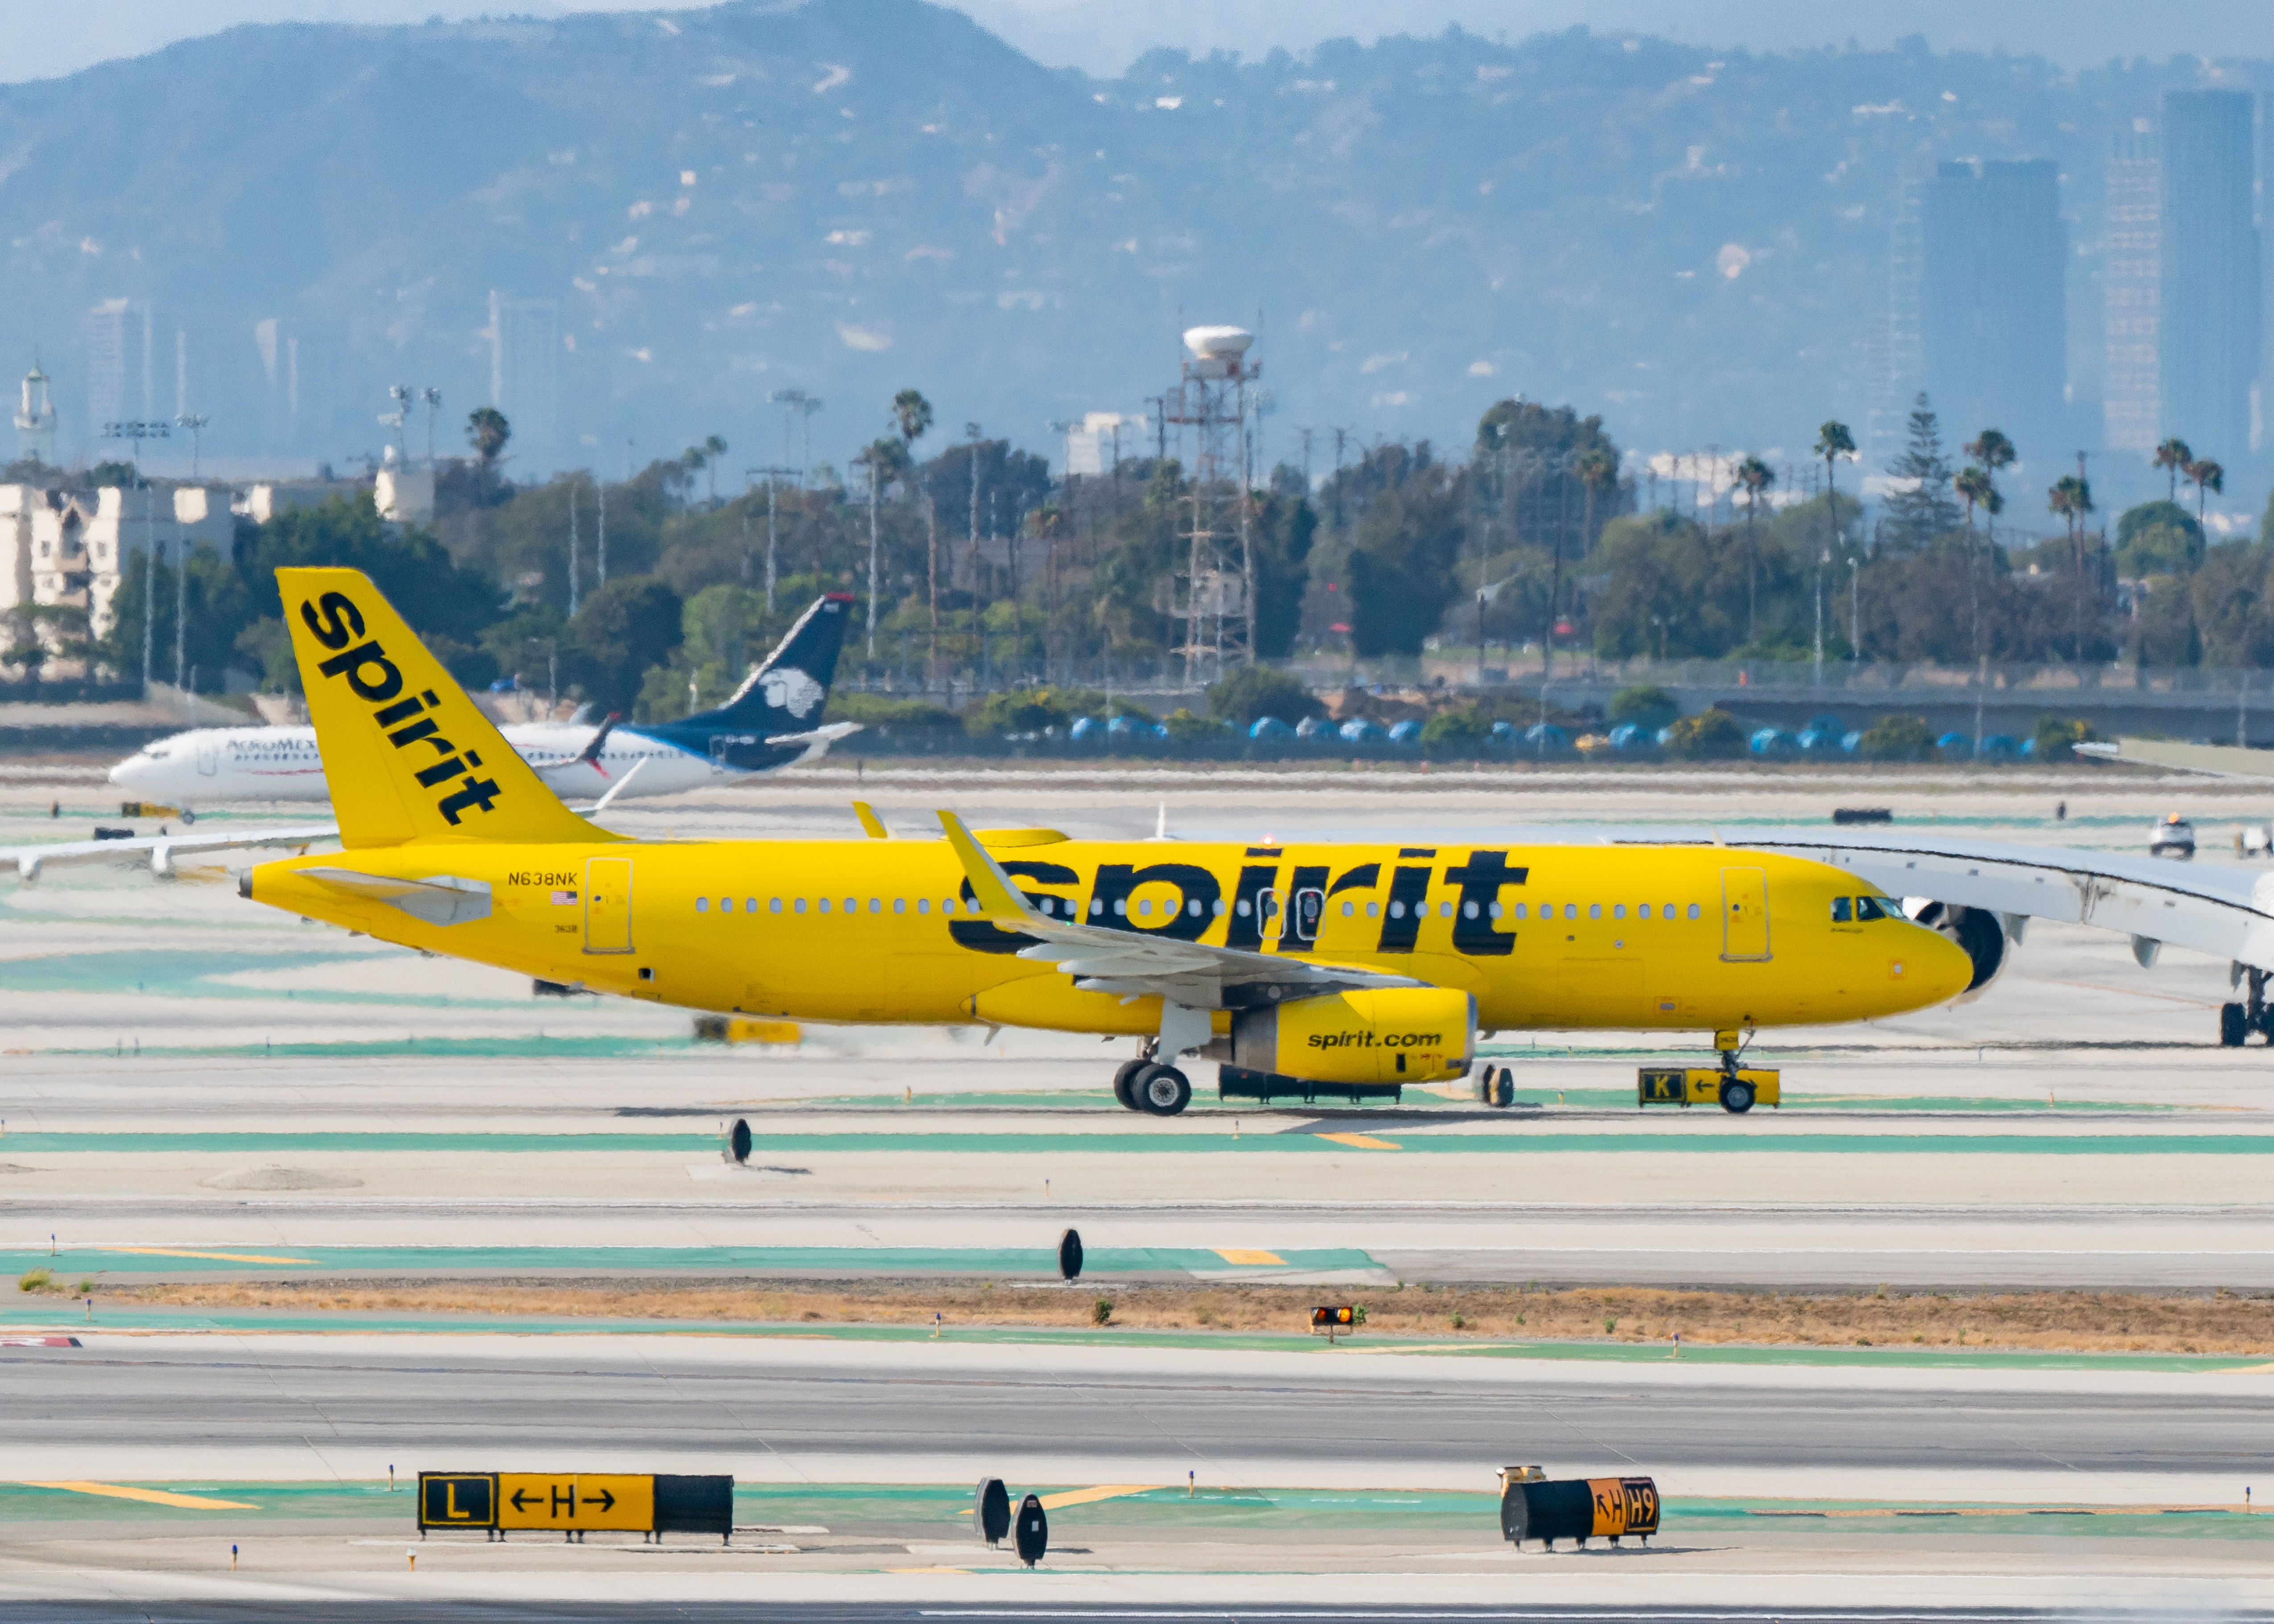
(1843, 909)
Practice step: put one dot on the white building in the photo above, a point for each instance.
(73, 549)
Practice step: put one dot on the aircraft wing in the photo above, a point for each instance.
(2217, 761)
(160, 852)
(1137, 964)
(2225, 912)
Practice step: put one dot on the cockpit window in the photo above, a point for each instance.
(1843, 910)
(1875, 907)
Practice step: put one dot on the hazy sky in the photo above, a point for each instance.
(1102, 35)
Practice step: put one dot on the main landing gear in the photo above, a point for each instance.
(1140, 1085)
(2237, 1021)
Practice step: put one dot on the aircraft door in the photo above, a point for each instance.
(1310, 908)
(607, 904)
(1744, 913)
(208, 758)
(718, 743)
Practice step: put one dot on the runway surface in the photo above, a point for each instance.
(943, 1410)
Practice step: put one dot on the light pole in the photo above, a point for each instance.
(195, 422)
(797, 401)
(433, 399)
(773, 477)
(134, 432)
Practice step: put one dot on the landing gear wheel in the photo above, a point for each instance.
(1161, 1090)
(1736, 1098)
(2233, 1026)
(1500, 1090)
(1124, 1076)
(188, 817)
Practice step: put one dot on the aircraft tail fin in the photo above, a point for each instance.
(408, 755)
(787, 691)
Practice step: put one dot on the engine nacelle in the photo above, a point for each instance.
(1977, 930)
(1400, 1034)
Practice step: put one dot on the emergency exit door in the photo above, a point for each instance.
(607, 904)
(1744, 913)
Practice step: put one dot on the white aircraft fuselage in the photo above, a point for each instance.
(220, 766)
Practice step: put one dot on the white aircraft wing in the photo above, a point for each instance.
(2225, 912)
(1141, 964)
(161, 853)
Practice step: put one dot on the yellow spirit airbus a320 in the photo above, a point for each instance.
(1303, 968)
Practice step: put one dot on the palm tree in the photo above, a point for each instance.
(488, 431)
(2173, 456)
(1991, 451)
(713, 448)
(1756, 476)
(1833, 442)
(2071, 497)
(2207, 476)
(911, 417)
(1975, 488)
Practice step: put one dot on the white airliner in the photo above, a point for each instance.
(772, 721)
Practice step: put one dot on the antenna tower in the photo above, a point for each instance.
(1210, 409)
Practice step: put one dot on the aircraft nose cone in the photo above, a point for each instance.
(1943, 969)
(124, 773)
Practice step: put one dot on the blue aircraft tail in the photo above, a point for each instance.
(783, 697)
(786, 692)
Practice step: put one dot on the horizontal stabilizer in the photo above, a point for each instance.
(439, 899)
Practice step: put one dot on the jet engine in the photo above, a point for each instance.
(1979, 931)
(1399, 1035)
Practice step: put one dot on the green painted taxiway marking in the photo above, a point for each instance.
(856, 1509)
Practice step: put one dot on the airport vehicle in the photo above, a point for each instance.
(773, 720)
(1359, 967)
(2174, 836)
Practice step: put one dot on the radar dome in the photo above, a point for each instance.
(1218, 343)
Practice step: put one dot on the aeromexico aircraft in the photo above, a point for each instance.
(772, 721)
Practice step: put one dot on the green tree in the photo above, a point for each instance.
(1896, 738)
(911, 417)
(623, 629)
(1405, 547)
(1643, 705)
(2071, 499)
(1923, 509)
(1711, 734)
(2172, 457)
(487, 432)
(1755, 477)
(2207, 476)
(1254, 692)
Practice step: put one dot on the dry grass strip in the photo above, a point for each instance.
(2083, 1321)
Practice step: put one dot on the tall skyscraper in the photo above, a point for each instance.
(1993, 301)
(524, 338)
(2210, 310)
(2132, 289)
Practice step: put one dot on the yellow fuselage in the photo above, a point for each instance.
(1670, 937)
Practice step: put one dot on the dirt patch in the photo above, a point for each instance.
(281, 1178)
(2081, 1321)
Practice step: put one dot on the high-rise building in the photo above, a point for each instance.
(1992, 307)
(2210, 312)
(525, 371)
(2131, 282)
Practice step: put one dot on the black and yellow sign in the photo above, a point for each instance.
(1702, 1085)
(1623, 1505)
(565, 1501)
(457, 1499)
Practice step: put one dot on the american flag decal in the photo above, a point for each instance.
(561, 899)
